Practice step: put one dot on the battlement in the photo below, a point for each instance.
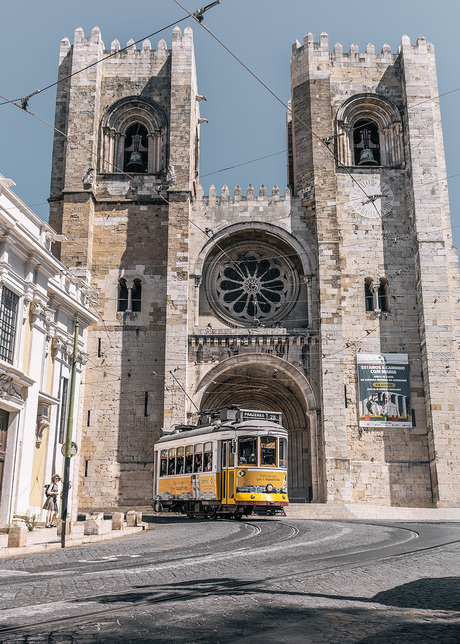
(319, 51)
(95, 39)
(237, 196)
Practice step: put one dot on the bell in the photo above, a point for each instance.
(135, 163)
(367, 157)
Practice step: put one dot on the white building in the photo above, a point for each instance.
(40, 301)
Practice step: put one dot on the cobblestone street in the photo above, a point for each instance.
(255, 581)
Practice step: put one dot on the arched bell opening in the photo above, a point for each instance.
(366, 143)
(269, 387)
(136, 149)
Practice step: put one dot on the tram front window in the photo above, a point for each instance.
(247, 450)
(283, 453)
(268, 451)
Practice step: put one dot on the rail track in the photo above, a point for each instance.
(123, 604)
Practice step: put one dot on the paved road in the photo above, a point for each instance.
(252, 581)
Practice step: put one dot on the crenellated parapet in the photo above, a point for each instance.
(262, 196)
(318, 51)
(130, 49)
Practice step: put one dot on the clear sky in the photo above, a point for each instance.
(245, 121)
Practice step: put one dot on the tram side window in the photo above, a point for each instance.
(172, 462)
(247, 450)
(164, 462)
(188, 459)
(283, 453)
(207, 457)
(180, 460)
(268, 451)
(198, 463)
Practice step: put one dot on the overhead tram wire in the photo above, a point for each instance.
(285, 105)
(197, 15)
(132, 178)
(163, 198)
(295, 116)
(347, 345)
(238, 165)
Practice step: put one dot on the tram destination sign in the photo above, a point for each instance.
(384, 390)
(250, 414)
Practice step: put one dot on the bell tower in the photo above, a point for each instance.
(368, 164)
(125, 167)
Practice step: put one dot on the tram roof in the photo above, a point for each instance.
(254, 425)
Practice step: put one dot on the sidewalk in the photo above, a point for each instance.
(42, 539)
(364, 512)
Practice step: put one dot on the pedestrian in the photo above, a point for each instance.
(51, 504)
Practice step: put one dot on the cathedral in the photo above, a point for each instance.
(334, 300)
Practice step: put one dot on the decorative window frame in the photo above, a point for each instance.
(9, 325)
(135, 284)
(115, 124)
(380, 112)
(377, 296)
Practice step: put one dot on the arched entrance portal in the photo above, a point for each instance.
(261, 381)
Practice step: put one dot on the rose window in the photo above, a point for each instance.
(252, 285)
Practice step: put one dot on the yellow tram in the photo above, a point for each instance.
(233, 463)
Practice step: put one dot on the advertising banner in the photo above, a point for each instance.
(384, 390)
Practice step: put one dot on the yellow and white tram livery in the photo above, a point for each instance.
(233, 463)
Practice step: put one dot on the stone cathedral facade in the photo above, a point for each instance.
(280, 300)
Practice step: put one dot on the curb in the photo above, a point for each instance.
(70, 543)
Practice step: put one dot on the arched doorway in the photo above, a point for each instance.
(266, 382)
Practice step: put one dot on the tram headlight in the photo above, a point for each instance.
(269, 488)
(253, 496)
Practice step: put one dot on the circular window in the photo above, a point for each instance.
(251, 285)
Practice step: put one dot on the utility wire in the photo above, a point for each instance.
(25, 100)
(285, 105)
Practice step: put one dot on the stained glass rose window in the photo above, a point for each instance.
(252, 284)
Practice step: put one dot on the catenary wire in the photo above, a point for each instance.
(194, 16)
(286, 106)
(132, 178)
(97, 62)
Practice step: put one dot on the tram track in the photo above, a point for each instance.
(125, 604)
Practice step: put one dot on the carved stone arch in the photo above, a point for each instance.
(268, 382)
(148, 116)
(378, 112)
(305, 253)
(254, 274)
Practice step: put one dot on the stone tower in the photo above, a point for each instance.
(122, 180)
(276, 300)
(368, 165)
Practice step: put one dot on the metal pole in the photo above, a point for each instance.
(68, 439)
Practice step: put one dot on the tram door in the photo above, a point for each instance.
(227, 479)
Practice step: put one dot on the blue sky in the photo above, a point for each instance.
(245, 122)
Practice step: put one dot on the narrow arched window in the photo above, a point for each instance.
(383, 295)
(122, 295)
(369, 294)
(136, 149)
(136, 294)
(366, 143)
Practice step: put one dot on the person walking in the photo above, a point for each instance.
(51, 504)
